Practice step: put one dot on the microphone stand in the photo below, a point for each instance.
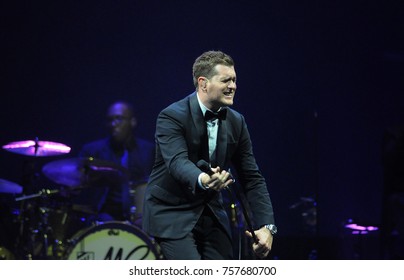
(204, 166)
(245, 213)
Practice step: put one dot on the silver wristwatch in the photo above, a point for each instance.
(272, 228)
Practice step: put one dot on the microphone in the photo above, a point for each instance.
(205, 167)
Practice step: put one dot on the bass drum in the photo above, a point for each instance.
(112, 241)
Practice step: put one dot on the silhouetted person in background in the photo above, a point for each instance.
(120, 198)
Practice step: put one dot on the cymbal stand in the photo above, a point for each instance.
(41, 193)
(42, 229)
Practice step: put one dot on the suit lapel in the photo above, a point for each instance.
(221, 145)
(200, 126)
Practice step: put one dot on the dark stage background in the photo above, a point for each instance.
(318, 82)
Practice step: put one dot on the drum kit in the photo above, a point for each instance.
(47, 225)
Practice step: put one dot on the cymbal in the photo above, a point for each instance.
(37, 148)
(76, 172)
(9, 187)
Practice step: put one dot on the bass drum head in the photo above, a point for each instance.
(112, 241)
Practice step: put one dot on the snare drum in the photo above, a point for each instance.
(112, 241)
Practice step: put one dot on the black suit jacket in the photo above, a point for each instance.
(173, 200)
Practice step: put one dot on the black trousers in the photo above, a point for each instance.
(207, 241)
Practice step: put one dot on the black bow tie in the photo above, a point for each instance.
(221, 115)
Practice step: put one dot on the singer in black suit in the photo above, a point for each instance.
(183, 207)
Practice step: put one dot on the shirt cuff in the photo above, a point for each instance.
(200, 185)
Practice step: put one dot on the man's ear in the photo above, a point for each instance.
(202, 81)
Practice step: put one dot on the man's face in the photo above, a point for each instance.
(221, 88)
(120, 122)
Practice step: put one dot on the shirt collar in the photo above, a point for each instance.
(203, 107)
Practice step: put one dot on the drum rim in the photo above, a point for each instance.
(122, 225)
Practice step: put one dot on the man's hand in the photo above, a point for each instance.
(264, 245)
(219, 180)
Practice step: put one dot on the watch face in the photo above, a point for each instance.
(273, 229)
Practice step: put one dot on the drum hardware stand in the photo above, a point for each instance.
(41, 193)
(43, 229)
(132, 215)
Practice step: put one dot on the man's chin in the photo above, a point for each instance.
(227, 103)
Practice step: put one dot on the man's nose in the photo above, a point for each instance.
(232, 84)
